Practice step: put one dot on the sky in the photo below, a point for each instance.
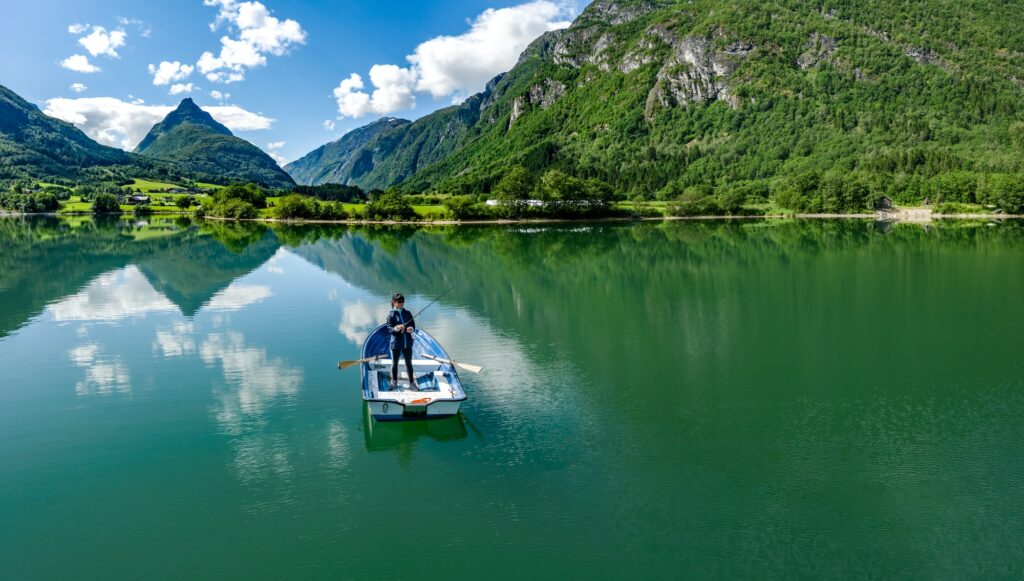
(287, 75)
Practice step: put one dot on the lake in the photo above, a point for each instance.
(783, 399)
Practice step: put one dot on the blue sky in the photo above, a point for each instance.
(291, 74)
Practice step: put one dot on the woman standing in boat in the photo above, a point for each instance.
(401, 325)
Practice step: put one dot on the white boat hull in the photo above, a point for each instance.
(393, 410)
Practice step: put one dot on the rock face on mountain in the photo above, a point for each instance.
(209, 151)
(35, 145)
(644, 93)
(335, 162)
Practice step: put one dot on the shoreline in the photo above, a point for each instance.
(891, 217)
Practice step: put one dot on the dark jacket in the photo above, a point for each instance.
(400, 317)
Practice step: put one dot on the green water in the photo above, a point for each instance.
(820, 399)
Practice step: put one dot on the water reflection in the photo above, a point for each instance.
(113, 296)
(254, 380)
(403, 436)
(104, 374)
(238, 296)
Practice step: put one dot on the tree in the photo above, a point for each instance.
(390, 205)
(183, 203)
(251, 193)
(558, 185)
(297, 207)
(515, 185)
(106, 204)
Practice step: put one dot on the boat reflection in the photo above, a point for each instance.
(402, 436)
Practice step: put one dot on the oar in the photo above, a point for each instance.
(466, 366)
(350, 363)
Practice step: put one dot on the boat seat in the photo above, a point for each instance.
(418, 365)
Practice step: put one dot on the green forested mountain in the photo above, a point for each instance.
(334, 162)
(208, 150)
(35, 145)
(660, 95)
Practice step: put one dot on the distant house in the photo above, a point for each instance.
(136, 199)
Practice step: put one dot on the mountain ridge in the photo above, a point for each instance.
(661, 95)
(191, 137)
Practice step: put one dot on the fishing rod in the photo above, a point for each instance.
(450, 289)
(466, 366)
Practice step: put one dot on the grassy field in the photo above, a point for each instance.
(147, 186)
(75, 205)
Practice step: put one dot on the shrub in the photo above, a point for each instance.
(235, 209)
(391, 205)
(948, 208)
(330, 211)
(105, 204)
(251, 193)
(466, 208)
(296, 207)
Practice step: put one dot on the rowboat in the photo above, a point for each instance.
(434, 392)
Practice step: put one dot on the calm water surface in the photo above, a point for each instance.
(813, 399)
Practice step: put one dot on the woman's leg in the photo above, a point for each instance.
(394, 365)
(407, 352)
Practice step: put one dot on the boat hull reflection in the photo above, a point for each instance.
(384, 436)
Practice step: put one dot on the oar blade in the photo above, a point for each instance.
(347, 364)
(468, 367)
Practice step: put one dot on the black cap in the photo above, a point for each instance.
(398, 297)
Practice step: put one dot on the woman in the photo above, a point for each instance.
(401, 324)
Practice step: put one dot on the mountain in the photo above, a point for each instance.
(209, 151)
(335, 162)
(646, 93)
(34, 145)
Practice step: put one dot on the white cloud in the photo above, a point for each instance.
(77, 28)
(258, 34)
(454, 66)
(329, 124)
(275, 145)
(118, 123)
(464, 63)
(179, 88)
(78, 87)
(80, 64)
(168, 72)
(280, 159)
(144, 29)
(220, 96)
(100, 42)
(352, 102)
(238, 119)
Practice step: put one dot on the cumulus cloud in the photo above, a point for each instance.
(168, 72)
(280, 159)
(329, 124)
(257, 34)
(118, 123)
(220, 96)
(77, 28)
(100, 42)
(275, 145)
(454, 66)
(78, 87)
(179, 88)
(80, 64)
(144, 29)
